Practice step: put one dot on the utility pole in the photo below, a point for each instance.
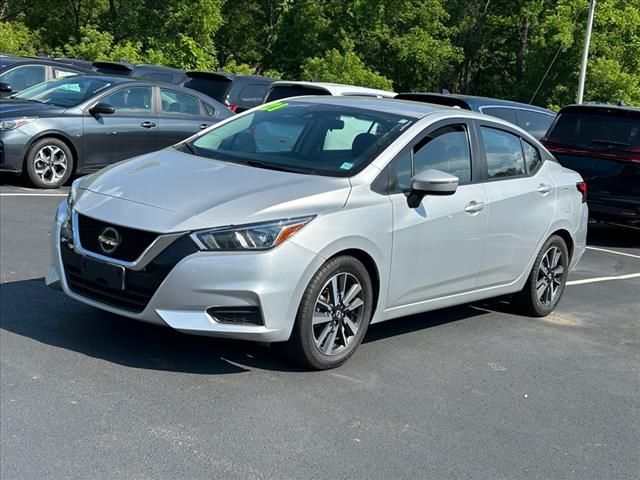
(585, 52)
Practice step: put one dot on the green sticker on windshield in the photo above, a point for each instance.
(274, 106)
(346, 166)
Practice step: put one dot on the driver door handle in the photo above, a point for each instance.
(203, 126)
(544, 188)
(474, 207)
(147, 124)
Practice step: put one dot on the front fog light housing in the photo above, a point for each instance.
(257, 236)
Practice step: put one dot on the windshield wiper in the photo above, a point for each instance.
(614, 143)
(191, 149)
(270, 166)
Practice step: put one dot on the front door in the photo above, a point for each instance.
(437, 247)
(132, 130)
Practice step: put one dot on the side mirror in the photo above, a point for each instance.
(5, 88)
(101, 109)
(431, 182)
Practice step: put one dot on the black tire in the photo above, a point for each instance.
(34, 163)
(529, 301)
(302, 347)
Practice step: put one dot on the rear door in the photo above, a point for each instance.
(521, 202)
(181, 115)
(132, 130)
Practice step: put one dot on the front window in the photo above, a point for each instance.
(65, 92)
(303, 137)
(130, 100)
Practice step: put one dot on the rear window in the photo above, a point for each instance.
(597, 131)
(252, 94)
(535, 123)
(214, 88)
(286, 91)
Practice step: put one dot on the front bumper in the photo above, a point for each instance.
(13, 148)
(272, 281)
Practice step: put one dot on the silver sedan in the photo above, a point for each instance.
(306, 220)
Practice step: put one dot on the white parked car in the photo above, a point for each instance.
(285, 89)
(305, 220)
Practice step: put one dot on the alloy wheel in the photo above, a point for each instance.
(50, 164)
(549, 279)
(337, 315)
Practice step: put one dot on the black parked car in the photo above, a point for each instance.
(533, 119)
(602, 143)
(82, 123)
(237, 92)
(18, 73)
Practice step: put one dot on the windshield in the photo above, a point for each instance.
(303, 137)
(279, 92)
(596, 131)
(65, 92)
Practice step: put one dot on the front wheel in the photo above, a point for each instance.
(547, 279)
(49, 163)
(334, 314)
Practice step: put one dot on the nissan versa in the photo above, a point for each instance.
(305, 220)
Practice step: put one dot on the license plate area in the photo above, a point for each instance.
(107, 274)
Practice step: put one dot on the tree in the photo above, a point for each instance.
(346, 67)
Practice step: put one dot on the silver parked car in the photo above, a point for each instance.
(306, 220)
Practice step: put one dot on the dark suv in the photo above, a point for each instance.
(533, 119)
(238, 92)
(602, 143)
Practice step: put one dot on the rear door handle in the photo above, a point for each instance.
(203, 126)
(474, 207)
(147, 124)
(543, 188)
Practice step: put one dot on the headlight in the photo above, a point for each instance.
(12, 124)
(257, 236)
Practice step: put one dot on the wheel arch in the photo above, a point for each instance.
(568, 240)
(58, 136)
(372, 269)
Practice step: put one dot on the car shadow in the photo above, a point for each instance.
(603, 235)
(30, 309)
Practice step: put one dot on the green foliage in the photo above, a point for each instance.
(346, 67)
(499, 48)
(17, 39)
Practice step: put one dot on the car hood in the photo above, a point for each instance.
(14, 107)
(169, 191)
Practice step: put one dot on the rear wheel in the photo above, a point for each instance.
(49, 163)
(333, 315)
(547, 279)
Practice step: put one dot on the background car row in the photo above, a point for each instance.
(49, 134)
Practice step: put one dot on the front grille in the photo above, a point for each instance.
(133, 241)
(140, 286)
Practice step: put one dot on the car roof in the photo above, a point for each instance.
(10, 60)
(474, 102)
(335, 88)
(226, 76)
(602, 108)
(388, 105)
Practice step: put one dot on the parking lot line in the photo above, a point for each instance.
(603, 279)
(614, 252)
(33, 194)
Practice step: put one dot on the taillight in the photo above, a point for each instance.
(233, 108)
(582, 188)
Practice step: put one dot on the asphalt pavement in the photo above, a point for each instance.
(473, 392)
